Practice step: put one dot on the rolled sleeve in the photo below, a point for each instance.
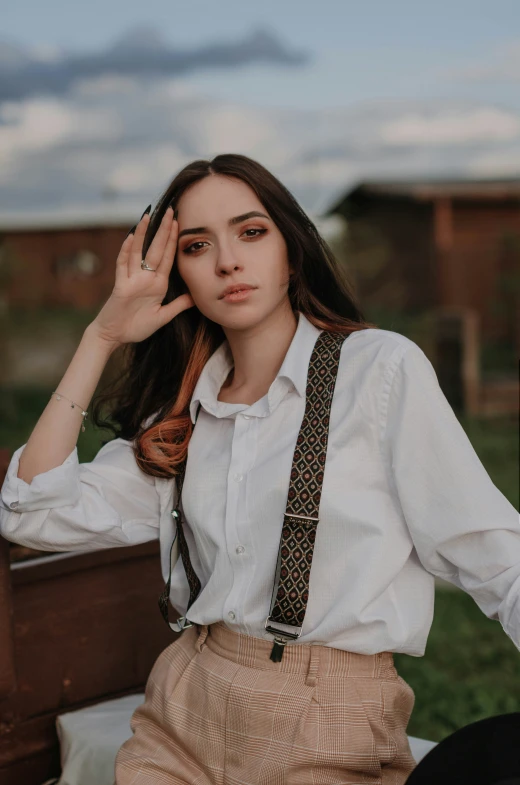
(56, 488)
(463, 528)
(107, 502)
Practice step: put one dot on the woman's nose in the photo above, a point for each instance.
(227, 260)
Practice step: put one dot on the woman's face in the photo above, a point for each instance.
(214, 251)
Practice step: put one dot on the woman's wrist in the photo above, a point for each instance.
(92, 333)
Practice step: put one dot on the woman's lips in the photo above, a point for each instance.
(237, 297)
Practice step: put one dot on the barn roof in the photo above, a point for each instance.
(70, 217)
(424, 190)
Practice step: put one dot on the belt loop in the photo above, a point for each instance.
(203, 634)
(314, 665)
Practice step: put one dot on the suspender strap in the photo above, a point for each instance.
(193, 581)
(296, 549)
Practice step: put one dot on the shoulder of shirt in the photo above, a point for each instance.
(387, 351)
(393, 344)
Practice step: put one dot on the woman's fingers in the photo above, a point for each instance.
(173, 309)
(156, 249)
(124, 256)
(165, 265)
(134, 264)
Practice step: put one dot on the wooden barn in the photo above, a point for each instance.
(61, 257)
(422, 244)
(449, 249)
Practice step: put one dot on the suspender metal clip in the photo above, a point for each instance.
(181, 624)
(282, 633)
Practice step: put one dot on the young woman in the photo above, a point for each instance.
(233, 378)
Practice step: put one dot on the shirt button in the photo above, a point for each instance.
(231, 616)
(247, 416)
(13, 505)
(239, 477)
(240, 549)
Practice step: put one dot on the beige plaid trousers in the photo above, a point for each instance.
(218, 711)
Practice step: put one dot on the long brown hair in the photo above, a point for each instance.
(150, 399)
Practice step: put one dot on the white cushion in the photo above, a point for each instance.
(420, 747)
(91, 737)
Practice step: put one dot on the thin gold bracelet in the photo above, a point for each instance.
(59, 396)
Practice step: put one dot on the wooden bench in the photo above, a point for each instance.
(75, 629)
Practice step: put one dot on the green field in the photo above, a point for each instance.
(471, 669)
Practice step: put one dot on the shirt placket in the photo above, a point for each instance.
(237, 540)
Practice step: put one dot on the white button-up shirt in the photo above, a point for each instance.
(405, 498)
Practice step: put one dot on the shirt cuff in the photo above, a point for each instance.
(57, 487)
(509, 613)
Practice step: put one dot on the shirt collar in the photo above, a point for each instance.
(294, 367)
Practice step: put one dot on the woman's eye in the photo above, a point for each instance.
(190, 248)
(262, 231)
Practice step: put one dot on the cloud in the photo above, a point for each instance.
(497, 163)
(47, 122)
(484, 124)
(139, 53)
(113, 140)
(501, 65)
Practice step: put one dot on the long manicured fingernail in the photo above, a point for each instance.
(176, 213)
(132, 230)
(146, 211)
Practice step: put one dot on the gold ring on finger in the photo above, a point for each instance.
(144, 266)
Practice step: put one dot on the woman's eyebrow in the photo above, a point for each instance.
(232, 221)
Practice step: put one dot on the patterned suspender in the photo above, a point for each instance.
(193, 581)
(291, 582)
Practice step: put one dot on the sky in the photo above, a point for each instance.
(105, 100)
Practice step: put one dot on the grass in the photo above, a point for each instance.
(27, 321)
(19, 412)
(497, 445)
(471, 669)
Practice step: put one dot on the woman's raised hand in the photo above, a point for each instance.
(134, 311)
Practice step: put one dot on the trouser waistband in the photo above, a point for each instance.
(313, 660)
